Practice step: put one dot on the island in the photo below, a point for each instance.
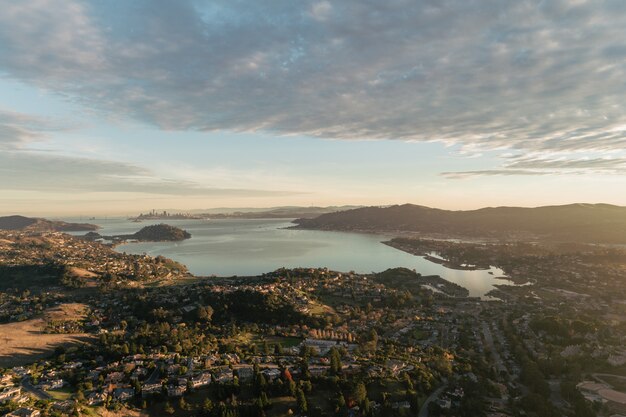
(154, 233)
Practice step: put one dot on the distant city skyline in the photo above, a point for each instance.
(116, 108)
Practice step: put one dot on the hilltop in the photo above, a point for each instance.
(42, 225)
(153, 233)
(587, 223)
(160, 232)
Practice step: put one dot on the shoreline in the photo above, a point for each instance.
(442, 262)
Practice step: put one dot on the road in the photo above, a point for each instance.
(433, 397)
(496, 356)
(598, 377)
(154, 376)
(28, 387)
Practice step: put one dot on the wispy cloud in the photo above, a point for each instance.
(32, 171)
(570, 164)
(492, 172)
(18, 129)
(566, 165)
(527, 75)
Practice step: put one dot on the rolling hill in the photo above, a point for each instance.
(41, 225)
(586, 223)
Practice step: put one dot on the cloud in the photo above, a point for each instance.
(32, 171)
(24, 167)
(526, 75)
(491, 172)
(567, 164)
(17, 129)
(545, 166)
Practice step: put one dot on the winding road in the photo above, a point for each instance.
(432, 397)
(28, 387)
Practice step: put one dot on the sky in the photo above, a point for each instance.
(120, 107)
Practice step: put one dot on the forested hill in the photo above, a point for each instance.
(587, 223)
(41, 225)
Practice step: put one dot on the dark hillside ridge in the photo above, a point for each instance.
(42, 225)
(585, 223)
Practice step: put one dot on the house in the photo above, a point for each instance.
(224, 375)
(271, 374)
(444, 403)
(24, 412)
(245, 373)
(123, 394)
(201, 380)
(9, 393)
(176, 390)
(150, 389)
(63, 406)
(53, 384)
(114, 377)
(401, 405)
(96, 398)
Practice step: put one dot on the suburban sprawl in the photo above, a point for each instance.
(85, 330)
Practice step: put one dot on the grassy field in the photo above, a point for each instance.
(246, 338)
(89, 278)
(60, 394)
(24, 342)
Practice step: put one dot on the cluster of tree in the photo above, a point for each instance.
(21, 277)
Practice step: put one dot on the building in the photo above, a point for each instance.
(9, 393)
(24, 412)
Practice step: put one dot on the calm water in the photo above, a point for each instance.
(228, 247)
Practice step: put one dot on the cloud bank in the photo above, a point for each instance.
(539, 76)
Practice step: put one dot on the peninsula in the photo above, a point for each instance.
(33, 224)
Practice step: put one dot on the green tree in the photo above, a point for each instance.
(335, 361)
(301, 401)
(359, 393)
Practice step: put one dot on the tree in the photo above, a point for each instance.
(301, 401)
(168, 409)
(207, 405)
(204, 314)
(360, 393)
(80, 396)
(305, 373)
(335, 361)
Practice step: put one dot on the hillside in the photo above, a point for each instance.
(160, 233)
(42, 225)
(280, 213)
(588, 223)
